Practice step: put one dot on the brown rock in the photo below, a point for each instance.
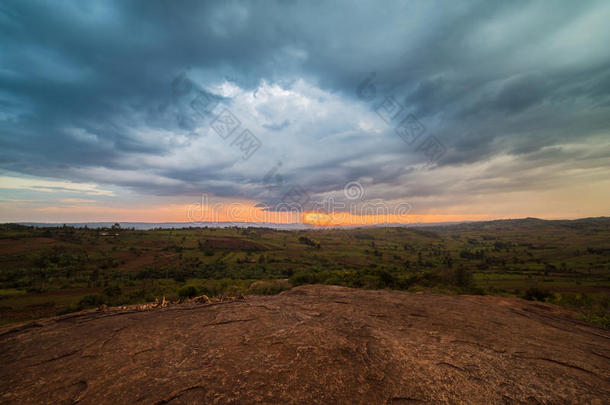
(202, 299)
(312, 344)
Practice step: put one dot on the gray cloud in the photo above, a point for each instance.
(86, 92)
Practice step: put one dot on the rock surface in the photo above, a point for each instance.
(312, 344)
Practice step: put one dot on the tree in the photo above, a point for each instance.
(463, 277)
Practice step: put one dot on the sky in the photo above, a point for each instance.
(354, 112)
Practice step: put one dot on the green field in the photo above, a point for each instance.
(48, 271)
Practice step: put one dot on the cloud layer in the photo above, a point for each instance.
(123, 95)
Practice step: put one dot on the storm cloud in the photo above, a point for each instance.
(127, 94)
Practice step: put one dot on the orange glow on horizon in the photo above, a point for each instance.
(349, 219)
(234, 212)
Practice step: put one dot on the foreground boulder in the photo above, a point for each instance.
(312, 344)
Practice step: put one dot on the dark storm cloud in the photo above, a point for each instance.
(86, 88)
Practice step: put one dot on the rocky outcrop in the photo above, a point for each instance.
(312, 344)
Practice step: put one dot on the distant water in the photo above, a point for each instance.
(170, 225)
(177, 225)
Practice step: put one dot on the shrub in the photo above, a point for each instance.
(113, 291)
(91, 301)
(463, 278)
(304, 278)
(188, 291)
(536, 294)
(66, 310)
(267, 287)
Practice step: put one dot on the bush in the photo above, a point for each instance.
(594, 308)
(66, 310)
(91, 301)
(113, 291)
(304, 278)
(188, 291)
(463, 278)
(267, 287)
(536, 294)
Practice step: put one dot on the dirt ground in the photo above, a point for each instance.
(311, 344)
(14, 246)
